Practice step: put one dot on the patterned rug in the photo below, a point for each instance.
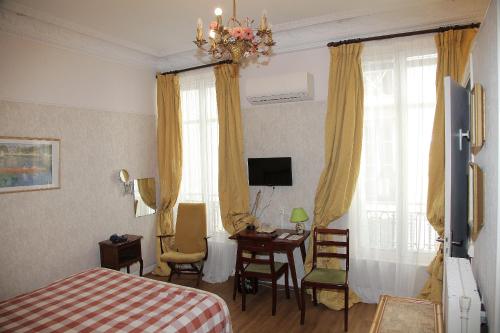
(408, 315)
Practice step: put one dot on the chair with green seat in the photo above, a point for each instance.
(189, 243)
(327, 278)
(256, 267)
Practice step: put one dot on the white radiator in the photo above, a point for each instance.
(462, 306)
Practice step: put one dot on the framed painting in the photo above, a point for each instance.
(476, 200)
(29, 164)
(477, 118)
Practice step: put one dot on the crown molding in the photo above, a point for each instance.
(293, 36)
(44, 17)
(31, 27)
(316, 35)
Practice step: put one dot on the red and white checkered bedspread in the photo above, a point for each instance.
(102, 300)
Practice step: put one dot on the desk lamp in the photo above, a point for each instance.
(299, 216)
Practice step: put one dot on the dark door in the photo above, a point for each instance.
(456, 165)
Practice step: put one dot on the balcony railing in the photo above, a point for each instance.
(384, 229)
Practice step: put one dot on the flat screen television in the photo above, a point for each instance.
(275, 171)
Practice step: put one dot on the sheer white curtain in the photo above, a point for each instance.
(391, 240)
(200, 142)
(200, 167)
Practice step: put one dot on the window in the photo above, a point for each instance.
(200, 144)
(389, 208)
(391, 240)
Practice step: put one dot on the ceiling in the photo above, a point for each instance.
(165, 28)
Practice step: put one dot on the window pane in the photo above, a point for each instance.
(190, 105)
(200, 139)
(391, 198)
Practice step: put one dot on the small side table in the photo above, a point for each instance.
(116, 256)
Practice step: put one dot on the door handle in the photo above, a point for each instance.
(441, 240)
(461, 135)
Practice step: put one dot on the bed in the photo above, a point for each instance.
(103, 300)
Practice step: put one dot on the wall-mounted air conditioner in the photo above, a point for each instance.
(282, 88)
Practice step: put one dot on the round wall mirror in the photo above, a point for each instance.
(124, 177)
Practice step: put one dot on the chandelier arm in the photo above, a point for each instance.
(234, 19)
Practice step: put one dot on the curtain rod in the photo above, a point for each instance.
(404, 34)
(198, 67)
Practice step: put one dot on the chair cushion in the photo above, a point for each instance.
(182, 258)
(263, 269)
(326, 275)
(190, 228)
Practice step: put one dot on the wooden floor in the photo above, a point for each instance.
(258, 319)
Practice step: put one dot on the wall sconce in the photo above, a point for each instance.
(128, 186)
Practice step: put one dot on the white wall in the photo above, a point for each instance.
(486, 248)
(37, 73)
(52, 92)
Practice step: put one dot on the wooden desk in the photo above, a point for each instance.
(280, 246)
(118, 255)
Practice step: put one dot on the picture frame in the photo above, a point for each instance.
(476, 200)
(29, 164)
(477, 118)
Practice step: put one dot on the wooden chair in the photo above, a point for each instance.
(327, 278)
(250, 266)
(189, 246)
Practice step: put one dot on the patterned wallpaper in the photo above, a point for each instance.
(47, 235)
(281, 130)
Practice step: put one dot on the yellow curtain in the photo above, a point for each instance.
(453, 48)
(147, 191)
(169, 146)
(343, 141)
(233, 185)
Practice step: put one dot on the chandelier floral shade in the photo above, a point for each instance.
(237, 40)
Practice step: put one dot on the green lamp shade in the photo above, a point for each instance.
(298, 215)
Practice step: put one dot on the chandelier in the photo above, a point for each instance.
(237, 40)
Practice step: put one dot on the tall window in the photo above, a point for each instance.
(200, 144)
(388, 215)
